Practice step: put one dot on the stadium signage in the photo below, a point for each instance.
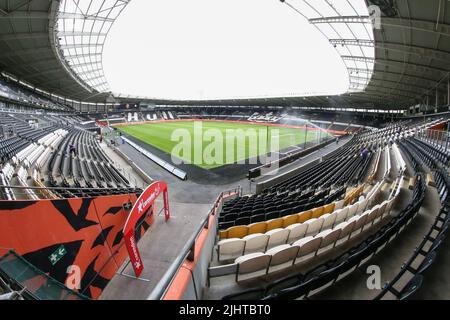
(140, 208)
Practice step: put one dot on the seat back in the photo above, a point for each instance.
(346, 228)
(314, 226)
(341, 215)
(296, 231)
(307, 245)
(277, 237)
(237, 232)
(274, 224)
(317, 212)
(289, 220)
(258, 227)
(252, 262)
(230, 248)
(328, 221)
(304, 216)
(282, 254)
(255, 243)
(329, 237)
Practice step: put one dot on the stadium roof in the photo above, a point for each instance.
(411, 60)
(57, 45)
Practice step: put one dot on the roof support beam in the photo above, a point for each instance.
(418, 25)
(22, 36)
(399, 64)
(34, 15)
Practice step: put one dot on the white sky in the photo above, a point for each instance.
(206, 49)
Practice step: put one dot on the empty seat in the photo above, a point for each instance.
(329, 238)
(341, 215)
(252, 265)
(230, 249)
(308, 248)
(277, 237)
(259, 227)
(317, 212)
(328, 221)
(237, 232)
(255, 243)
(282, 256)
(296, 231)
(289, 220)
(346, 230)
(314, 226)
(274, 224)
(304, 216)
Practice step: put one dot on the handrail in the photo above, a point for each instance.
(63, 188)
(188, 250)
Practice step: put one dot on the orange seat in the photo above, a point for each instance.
(237, 232)
(304, 216)
(258, 227)
(288, 220)
(274, 224)
(329, 208)
(317, 212)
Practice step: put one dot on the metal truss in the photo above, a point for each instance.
(348, 27)
(82, 27)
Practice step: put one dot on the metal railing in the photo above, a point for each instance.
(436, 137)
(76, 192)
(188, 251)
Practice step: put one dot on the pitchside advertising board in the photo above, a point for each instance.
(140, 208)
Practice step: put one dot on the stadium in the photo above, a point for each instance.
(295, 150)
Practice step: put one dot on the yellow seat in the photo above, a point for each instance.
(237, 232)
(258, 227)
(223, 234)
(288, 220)
(411, 183)
(304, 216)
(317, 212)
(274, 224)
(329, 208)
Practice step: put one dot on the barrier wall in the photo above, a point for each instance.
(57, 235)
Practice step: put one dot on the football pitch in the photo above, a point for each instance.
(212, 144)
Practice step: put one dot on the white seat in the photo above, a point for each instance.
(382, 210)
(372, 215)
(296, 231)
(341, 216)
(277, 236)
(252, 265)
(255, 243)
(360, 222)
(346, 230)
(328, 221)
(314, 226)
(282, 256)
(308, 248)
(339, 204)
(389, 206)
(363, 205)
(329, 238)
(230, 248)
(352, 210)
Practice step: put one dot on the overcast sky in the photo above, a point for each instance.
(198, 49)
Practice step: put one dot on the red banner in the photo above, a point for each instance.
(140, 208)
(101, 123)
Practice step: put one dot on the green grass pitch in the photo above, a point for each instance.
(231, 147)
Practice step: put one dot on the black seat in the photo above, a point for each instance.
(242, 221)
(273, 215)
(258, 218)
